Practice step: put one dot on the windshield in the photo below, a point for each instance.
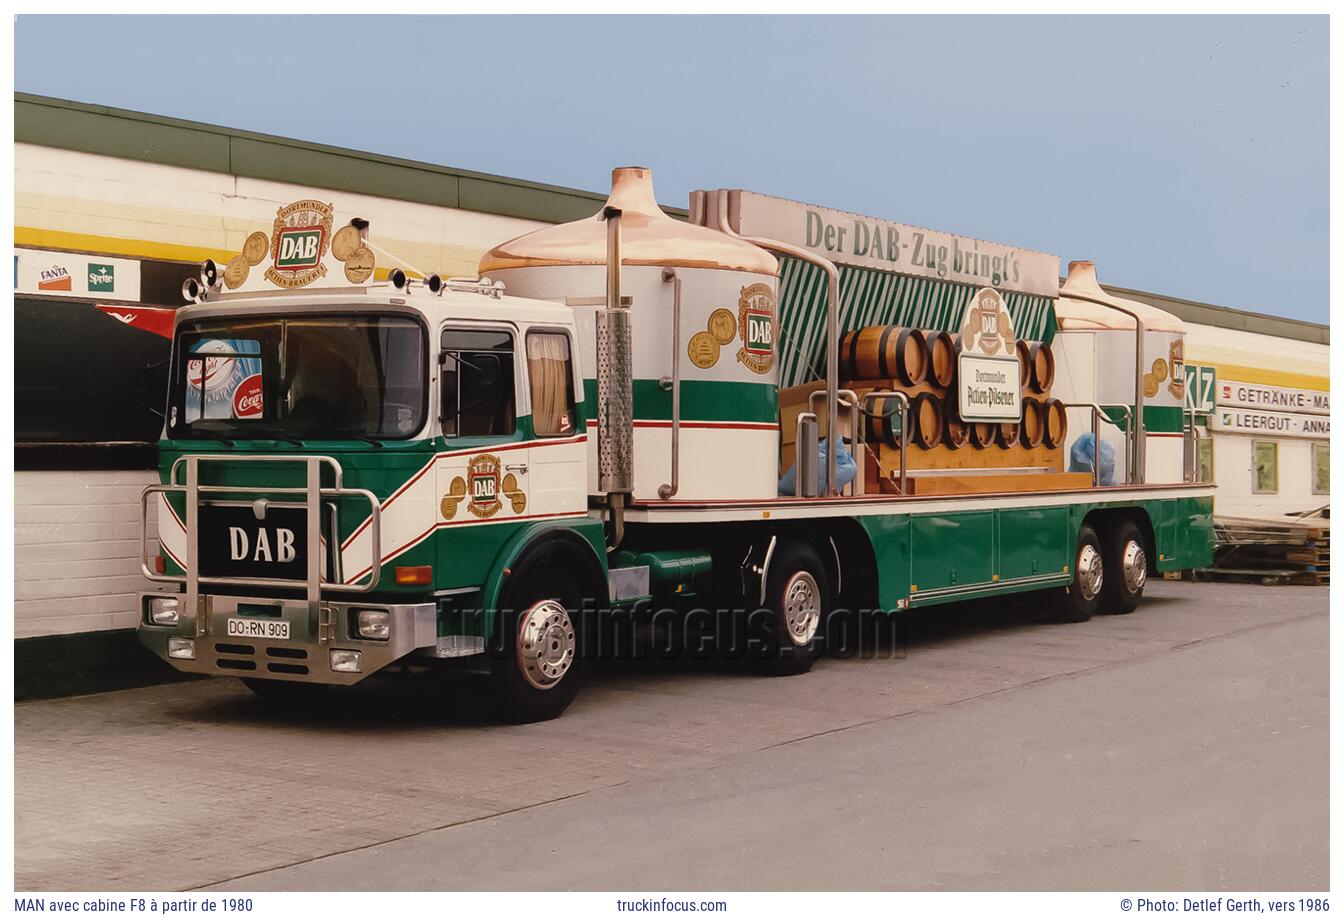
(299, 377)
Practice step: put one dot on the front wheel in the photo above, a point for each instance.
(1081, 599)
(1126, 565)
(539, 659)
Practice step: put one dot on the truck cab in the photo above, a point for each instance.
(346, 472)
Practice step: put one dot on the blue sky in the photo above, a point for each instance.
(1187, 155)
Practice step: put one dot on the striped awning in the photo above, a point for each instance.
(869, 297)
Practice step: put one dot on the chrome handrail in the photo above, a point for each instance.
(905, 423)
(855, 428)
(1099, 414)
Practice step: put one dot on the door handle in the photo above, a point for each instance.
(516, 467)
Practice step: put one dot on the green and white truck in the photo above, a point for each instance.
(358, 473)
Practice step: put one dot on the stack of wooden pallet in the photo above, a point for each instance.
(1271, 550)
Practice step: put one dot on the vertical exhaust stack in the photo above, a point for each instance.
(615, 409)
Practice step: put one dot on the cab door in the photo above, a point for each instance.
(558, 457)
(481, 468)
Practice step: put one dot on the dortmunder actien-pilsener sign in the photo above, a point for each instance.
(988, 386)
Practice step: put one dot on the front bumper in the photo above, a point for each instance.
(314, 632)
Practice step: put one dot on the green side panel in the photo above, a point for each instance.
(701, 400)
(1155, 418)
(1033, 541)
(870, 297)
(1185, 534)
(952, 550)
(889, 535)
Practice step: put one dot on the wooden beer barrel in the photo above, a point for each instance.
(1023, 363)
(882, 415)
(1042, 367)
(942, 358)
(982, 434)
(884, 353)
(1007, 434)
(926, 420)
(1055, 427)
(1033, 422)
(955, 431)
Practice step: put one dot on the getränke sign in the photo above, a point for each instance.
(852, 239)
(1278, 399)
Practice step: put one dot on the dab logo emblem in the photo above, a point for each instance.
(1176, 354)
(756, 326)
(988, 328)
(300, 240)
(483, 486)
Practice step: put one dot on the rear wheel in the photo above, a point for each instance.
(797, 598)
(539, 647)
(1080, 600)
(1126, 563)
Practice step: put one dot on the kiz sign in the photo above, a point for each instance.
(988, 385)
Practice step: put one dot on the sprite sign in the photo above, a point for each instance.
(299, 247)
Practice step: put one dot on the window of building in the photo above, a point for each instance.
(1205, 459)
(1320, 469)
(476, 383)
(1265, 467)
(552, 380)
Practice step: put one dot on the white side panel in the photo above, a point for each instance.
(715, 463)
(1166, 459)
(76, 556)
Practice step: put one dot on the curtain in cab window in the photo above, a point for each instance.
(548, 369)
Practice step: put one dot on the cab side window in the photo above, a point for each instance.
(551, 376)
(476, 383)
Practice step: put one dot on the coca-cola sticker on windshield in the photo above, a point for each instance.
(247, 398)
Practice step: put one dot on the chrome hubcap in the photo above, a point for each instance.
(1089, 571)
(545, 644)
(802, 608)
(1135, 566)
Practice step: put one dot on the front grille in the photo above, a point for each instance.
(242, 657)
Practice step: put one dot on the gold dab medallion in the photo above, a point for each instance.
(235, 272)
(1160, 369)
(1149, 385)
(456, 492)
(517, 499)
(723, 326)
(703, 350)
(359, 266)
(345, 243)
(256, 247)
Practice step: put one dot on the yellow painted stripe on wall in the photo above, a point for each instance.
(1272, 378)
(40, 238)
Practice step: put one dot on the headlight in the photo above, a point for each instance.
(345, 661)
(163, 611)
(374, 624)
(181, 648)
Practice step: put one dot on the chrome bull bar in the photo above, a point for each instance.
(313, 494)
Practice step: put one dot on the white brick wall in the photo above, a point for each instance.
(76, 539)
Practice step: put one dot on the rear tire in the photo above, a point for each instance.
(1078, 602)
(1125, 561)
(540, 646)
(797, 600)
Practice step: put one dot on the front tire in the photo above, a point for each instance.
(540, 643)
(1082, 599)
(1126, 565)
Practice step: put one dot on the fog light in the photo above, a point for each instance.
(163, 611)
(345, 661)
(181, 648)
(375, 624)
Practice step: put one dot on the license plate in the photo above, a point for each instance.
(246, 628)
